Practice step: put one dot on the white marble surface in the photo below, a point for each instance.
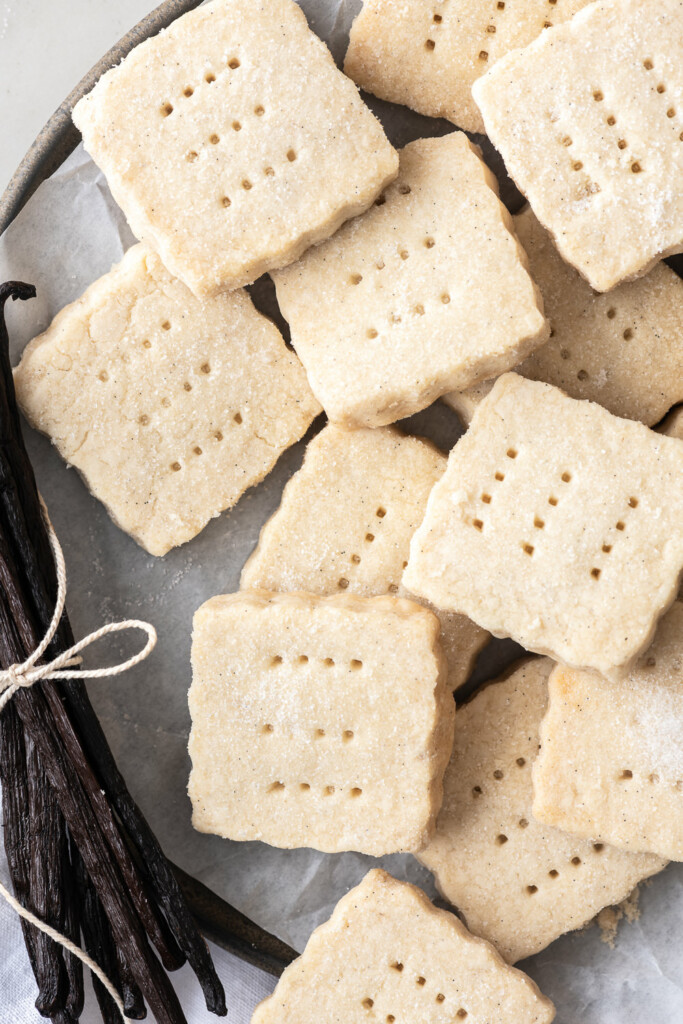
(46, 46)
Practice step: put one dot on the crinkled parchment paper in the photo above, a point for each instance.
(69, 234)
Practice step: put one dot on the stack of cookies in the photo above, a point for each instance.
(322, 700)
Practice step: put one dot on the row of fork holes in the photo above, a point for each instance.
(404, 254)
(606, 547)
(246, 183)
(214, 138)
(576, 862)
(491, 28)
(302, 659)
(437, 19)
(197, 450)
(627, 335)
(165, 326)
(626, 774)
(347, 735)
(648, 64)
(236, 126)
(343, 582)
(499, 774)
(205, 368)
(305, 787)
(428, 243)
(403, 190)
(167, 108)
(421, 982)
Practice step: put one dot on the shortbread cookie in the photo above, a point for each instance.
(557, 524)
(427, 291)
(623, 350)
(345, 524)
(589, 120)
(169, 407)
(518, 883)
(232, 142)
(611, 765)
(428, 54)
(387, 954)
(673, 424)
(319, 722)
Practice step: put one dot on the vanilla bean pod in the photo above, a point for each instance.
(39, 563)
(161, 877)
(58, 759)
(27, 853)
(14, 779)
(17, 536)
(36, 844)
(154, 924)
(45, 849)
(72, 924)
(132, 997)
(99, 945)
(98, 942)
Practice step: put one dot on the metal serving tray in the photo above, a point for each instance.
(217, 919)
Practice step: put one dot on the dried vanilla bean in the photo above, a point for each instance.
(14, 779)
(45, 824)
(87, 833)
(16, 535)
(98, 942)
(161, 878)
(27, 855)
(152, 861)
(68, 855)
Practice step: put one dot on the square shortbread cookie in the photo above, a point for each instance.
(611, 764)
(589, 120)
(323, 722)
(387, 954)
(428, 53)
(232, 142)
(557, 524)
(623, 350)
(427, 291)
(518, 883)
(168, 406)
(345, 523)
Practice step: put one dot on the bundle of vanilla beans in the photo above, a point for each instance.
(81, 855)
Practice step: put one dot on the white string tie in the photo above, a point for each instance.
(28, 673)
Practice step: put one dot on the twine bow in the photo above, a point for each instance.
(28, 673)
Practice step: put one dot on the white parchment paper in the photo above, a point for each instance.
(70, 233)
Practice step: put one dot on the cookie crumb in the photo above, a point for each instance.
(609, 918)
